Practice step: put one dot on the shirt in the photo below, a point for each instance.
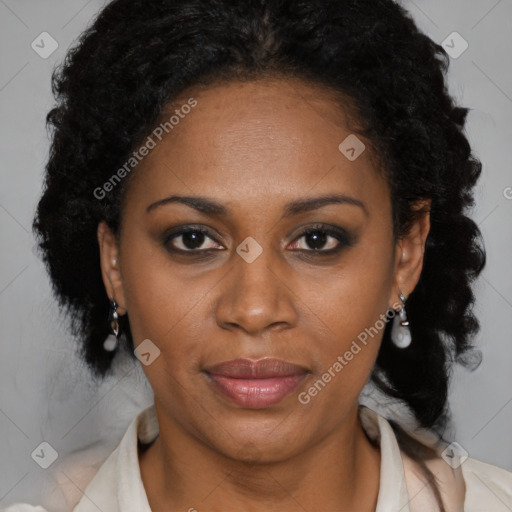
(473, 486)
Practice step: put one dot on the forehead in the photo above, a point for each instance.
(271, 139)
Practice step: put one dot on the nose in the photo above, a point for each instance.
(255, 297)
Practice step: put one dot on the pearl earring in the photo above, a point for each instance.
(112, 340)
(400, 332)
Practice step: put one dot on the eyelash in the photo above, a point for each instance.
(340, 234)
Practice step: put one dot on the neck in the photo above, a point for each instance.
(339, 472)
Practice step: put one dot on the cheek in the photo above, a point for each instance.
(159, 302)
(170, 307)
(351, 309)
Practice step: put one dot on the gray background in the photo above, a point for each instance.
(46, 395)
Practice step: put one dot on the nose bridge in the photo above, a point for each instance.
(255, 296)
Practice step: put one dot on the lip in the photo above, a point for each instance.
(256, 384)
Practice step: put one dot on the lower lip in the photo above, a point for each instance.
(256, 393)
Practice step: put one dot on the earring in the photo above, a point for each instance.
(400, 332)
(112, 340)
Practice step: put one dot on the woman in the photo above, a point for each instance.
(271, 197)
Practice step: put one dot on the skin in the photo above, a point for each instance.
(254, 147)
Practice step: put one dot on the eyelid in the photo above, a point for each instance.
(344, 238)
(322, 226)
(173, 233)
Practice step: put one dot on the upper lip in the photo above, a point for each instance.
(261, 369)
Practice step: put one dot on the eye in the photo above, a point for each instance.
(192, 240)
(323, 240)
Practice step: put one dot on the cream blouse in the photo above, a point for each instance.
(473, 486)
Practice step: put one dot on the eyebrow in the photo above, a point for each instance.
(298, 206)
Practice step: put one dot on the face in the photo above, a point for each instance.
(288, 253)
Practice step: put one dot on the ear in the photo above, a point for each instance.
(110, 266)
(409, 253)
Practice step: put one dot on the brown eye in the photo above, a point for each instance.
(192, 240)
(323, 240)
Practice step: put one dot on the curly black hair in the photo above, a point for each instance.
(138, 56)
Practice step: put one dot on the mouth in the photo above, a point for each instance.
(256, 384)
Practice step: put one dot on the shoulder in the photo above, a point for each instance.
(487, 485)
(100, 474)
(474, 486)
(101, 489)
(63, 488)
